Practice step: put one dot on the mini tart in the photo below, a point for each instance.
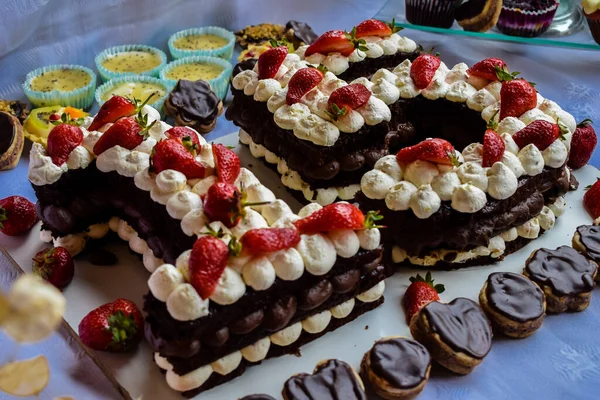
(188, 43)
(515, 305)
(37, 126)
(565, 276)
(194, 104)
(215, 71)
(396, 367)
(478, 15)
(139, 87)
(11, 141)
(66, 85)
(128, 60)
(586, 240)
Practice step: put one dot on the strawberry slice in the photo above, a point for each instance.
(374, 27)
(179, 155)
(63, 139)
(270, 61)
(227, 163)
(346, 98)
(336, 42)
(438, 151)
(493, 145)
(337, 216)
(207, 262)
(591, 199)
(539, 133)
(487, 68)
(182, 132)
(423, 69)
(302, 82)
(268, 240)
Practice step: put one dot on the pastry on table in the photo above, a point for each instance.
(396, 367)
(591, 11)
(331, 380)
(586, 240)
(526, 18)
(458, 335)
(514, 304)
(565, 276)
(11, 141)
(194, 104)
(478, 15)
(16, 108)
(38, 124)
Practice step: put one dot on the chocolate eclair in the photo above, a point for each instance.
(331, 380)
(515, 305)
(458, 335)
(565, 276)
(478, 15)
(397, 368)
(586, 240)
(11, 141)
(194, 104)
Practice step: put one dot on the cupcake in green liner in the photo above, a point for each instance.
(139, 87)
(128, 60)
(64, 85)
(210, 41)
(215, 71)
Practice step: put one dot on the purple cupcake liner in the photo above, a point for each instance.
(594, 25)
(438, 13)
(526, 23)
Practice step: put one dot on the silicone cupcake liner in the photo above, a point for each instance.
(438, 13)
(79, 98)
(107, 75)
(594, 25)
(219, 85)
(526, 23)
(158, 104)
(225, 52)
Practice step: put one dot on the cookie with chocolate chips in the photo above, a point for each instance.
(586, 240)
(194, 104)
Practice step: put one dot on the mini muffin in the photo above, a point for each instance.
(478, 15)
(565, 276)
(194, 104)
(209, 41)
(514, 304)
(586, 240)
(458, 335)
(331, 380)
(438, 13)
(11, 141)
(591, 11)
(397, 368)
(130, 59)
(526, 18)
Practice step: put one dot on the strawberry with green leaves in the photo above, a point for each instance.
(517, 96)
(64, 138)
(487, 68)
(302, 82)
(421, 292)
(268, 240)
(540, 133)
(346, 98)
(226, 203)
(436, 150)
(270, 61)
(374, 27)
(54, 265)
(116, 108)
(337, 216)
(423, 69)
(128, 132)
(17, 215)
(183, 132)
(493, 145)
(336, 42)
(227, 163)
(179, 155)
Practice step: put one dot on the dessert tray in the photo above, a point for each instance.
(96, 285)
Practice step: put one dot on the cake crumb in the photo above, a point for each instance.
(366, 327)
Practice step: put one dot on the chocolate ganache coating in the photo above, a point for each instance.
(400, 361)
(590, 238)
(332, 380)
(515, 296)
(461, 325)
(564, 270)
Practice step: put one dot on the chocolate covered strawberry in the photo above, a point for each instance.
(17, 215)
(436, 150)
(55, 265)
(224, 202)
(337, 216)
(336, 42)
(183, 132)
(583, 143)
(423, 69)
(517, 96)
(114, 327)
(270, 61)
(115, 108)
(591, 199)
(421, 292)
(268, 240)
(127, 132)
(179, 155)
(227, 163)
(374, 27)
(346, 98)
(487, 68)
(208, 260)
(539, 133)
(493, 145)
(302, 82)
(63, 139)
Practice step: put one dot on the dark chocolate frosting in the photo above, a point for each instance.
(257, 397)
(332, 380)
(514, 296)
(302, 31)
(462, 325)
(7, 133)
(195, 101)
(564, 270)
(401, 362)
(244, 65)
(590, 239)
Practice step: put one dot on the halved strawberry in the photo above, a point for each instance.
(348, 97)
(423, 69)
(127, 132)
(268, 240)
(117, 107)
(374, 27)
(487, 68)
(302, 82)
(436, 150)
(336, 42)
(179, 155)
(337, 216)
(493, 145)
(182, 132)
(270, 61)
(63, 139)
(207, 262)
(541, 133)
(227, 163)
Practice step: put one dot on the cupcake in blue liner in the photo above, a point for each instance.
(210, 41)
(437, 13)
(64, 85)
(526, 18)
(215, 71)
(139, 87)
(128, 60)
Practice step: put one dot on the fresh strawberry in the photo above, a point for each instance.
(227, 163)
(493, 145)
(54, 265)
(302, 82)
(207, 262)
(17, 215)
(270, 61)
(337, 216)
(420, 293)
(346, 98)
(438, 151)
(127, 132)
(179, 155)
(374, 27)
(423, 69)
(116, 107)
(336, 42)
(539, 133)
(517, 96)
(63, 139)
(583, 144)
(226, 203)
(182, 132)
(115, 327)
(487, 68)
(268, 240)
(591, 199)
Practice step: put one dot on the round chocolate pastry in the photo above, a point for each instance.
(11, 141)
(257, 397)
(458, 335)
(397, 368)
(515, 305)
(478, 15)
(331, 380)
(587, 241)
(565, 276)
(194, 104)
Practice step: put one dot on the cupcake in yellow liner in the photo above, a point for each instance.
(38, 124)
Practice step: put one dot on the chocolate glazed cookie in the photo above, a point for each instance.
(586, 240)
(194, 104)
(458, 335)
(515, 305)
(565, 276)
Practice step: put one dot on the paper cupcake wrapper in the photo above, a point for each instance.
(438, 13)
(225, 52)
(594, 25)
(158, 104)
(79, 98)
(219, 85)
(107, 74)
(526, 23)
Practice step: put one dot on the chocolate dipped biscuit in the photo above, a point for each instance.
(515, 305)
(458, 335)
(11, 141)
(331, 380)
(397, 368)
(565, 276)
(194, 104)
(586, 240)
